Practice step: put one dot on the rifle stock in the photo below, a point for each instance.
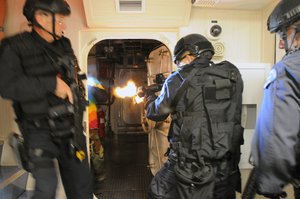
(250, 188)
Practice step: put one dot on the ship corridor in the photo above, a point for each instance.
(126, 152)
(127, 175)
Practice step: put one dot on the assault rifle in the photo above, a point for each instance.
(153, 88)
(71, 70)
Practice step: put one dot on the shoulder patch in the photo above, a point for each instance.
(271, 78)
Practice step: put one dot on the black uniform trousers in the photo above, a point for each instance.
(75, 175)
(164, 185)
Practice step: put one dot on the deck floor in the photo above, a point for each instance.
(126, 173)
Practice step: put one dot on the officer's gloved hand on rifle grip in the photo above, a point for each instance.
(63, 91)
(149, 98)
(141, 91)
(148, 93)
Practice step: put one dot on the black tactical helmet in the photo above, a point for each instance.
(284, 14)
(52, 6)
(195, 44)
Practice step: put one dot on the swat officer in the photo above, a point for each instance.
(275, 144)
(33, 76)
(187, 174)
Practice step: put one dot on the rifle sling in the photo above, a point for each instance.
(183, 87)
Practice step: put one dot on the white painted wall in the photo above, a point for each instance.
(254, 75)
(241, 35)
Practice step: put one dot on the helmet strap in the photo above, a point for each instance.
(55, 37)
(53, 27)
(283, 36)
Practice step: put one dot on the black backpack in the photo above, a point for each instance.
(209, 131)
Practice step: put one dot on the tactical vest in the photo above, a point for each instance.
(35, 62)
(209, 132)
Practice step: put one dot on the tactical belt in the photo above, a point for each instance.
(40, 122)
(188, 157)
(51, 125)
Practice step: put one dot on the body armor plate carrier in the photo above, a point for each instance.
(208, 134)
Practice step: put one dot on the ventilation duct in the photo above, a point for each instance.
(219, 48)
(137, 13)
(205, 3)
(133, 6)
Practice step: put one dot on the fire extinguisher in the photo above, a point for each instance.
(101, 131)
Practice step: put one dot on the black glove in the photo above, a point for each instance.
(149, 98)
(141, 91)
